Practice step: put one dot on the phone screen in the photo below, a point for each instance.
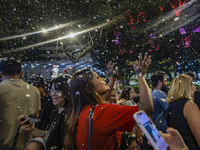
(152, 130)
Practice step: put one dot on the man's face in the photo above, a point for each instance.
(164, 84)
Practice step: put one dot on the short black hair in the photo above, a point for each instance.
(37, 81)
(158, 75)
(191, 74)
(126, 91)
(9, 66)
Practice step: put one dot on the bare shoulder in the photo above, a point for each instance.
(190, 108)
(190, 104)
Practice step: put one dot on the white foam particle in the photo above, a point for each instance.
(27, 95)
(77, 93)
(68, 81)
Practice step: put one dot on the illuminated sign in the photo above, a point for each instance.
(55, 70)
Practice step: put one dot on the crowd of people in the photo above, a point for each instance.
(85, 111)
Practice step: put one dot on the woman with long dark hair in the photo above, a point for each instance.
(86, 91)
(55, 132)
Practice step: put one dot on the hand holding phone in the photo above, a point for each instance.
(150, 131)
(32, 118)
(24, 124)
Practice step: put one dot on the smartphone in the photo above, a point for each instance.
(31, 119)
(150, 131)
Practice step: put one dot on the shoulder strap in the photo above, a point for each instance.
(15, 140)
(90, 125)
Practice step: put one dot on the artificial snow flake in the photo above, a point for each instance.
(27, 95)
(68, 81)
(77, 93)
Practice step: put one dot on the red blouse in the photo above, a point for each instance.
(107, 120)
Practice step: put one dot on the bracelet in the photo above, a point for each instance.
(113, 79)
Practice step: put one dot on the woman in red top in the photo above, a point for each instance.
(87, 90)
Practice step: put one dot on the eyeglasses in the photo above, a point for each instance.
(57, 92)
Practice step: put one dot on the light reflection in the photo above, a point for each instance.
(61, 38)
(46, 30)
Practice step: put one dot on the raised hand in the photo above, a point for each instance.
(66, 70)
(119, 101)
(110, 67)
(142, 66)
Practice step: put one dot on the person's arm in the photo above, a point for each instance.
(146, 102)
(25, 126)
(118, 88)
(162, 100)
(37, 133)
(192, 113)
(111, 84)
(66, 70)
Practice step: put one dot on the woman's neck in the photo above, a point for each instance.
(60, 109)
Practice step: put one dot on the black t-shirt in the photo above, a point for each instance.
(55, 133)
(46, 112)
(44, 101)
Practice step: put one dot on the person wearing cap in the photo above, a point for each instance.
(46, 102)
(17, 98)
